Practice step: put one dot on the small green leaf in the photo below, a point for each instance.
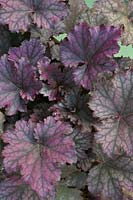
(60, 37)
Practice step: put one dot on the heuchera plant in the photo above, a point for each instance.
(66, 107)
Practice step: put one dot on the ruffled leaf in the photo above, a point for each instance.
(113, 104)
(48, 13)
(40, 153)
(85, 43)
(92, 47)
(16, 14)
(58, 80)
(32, 51)
(17, 85)
(20, 14)
(111, 176)
(74, 107)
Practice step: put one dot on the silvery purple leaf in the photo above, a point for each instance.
(47, 13)
(14, 188)
(112, 102)
(111, 176)
(19, 14)
(16, 14)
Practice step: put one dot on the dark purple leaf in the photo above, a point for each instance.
(74, 107)
(17, 85)
(58, 80)
(39, 152)
(32, 51)
(92, 47)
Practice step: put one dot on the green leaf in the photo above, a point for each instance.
(65, 193)
(77, 179)
(68, 170)
(60, 37)
(73, 177)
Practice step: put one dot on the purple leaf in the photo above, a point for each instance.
(111, 176)
(15, 189)
(50, 72)
(17, 85)
(74, 108)
(16, 14)
(20, 14)
(92, 47)
(83, 141)
(32, 51)
(85, 75)
(47, 13)
(112, 102)
(58, 80)
(40, 153)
